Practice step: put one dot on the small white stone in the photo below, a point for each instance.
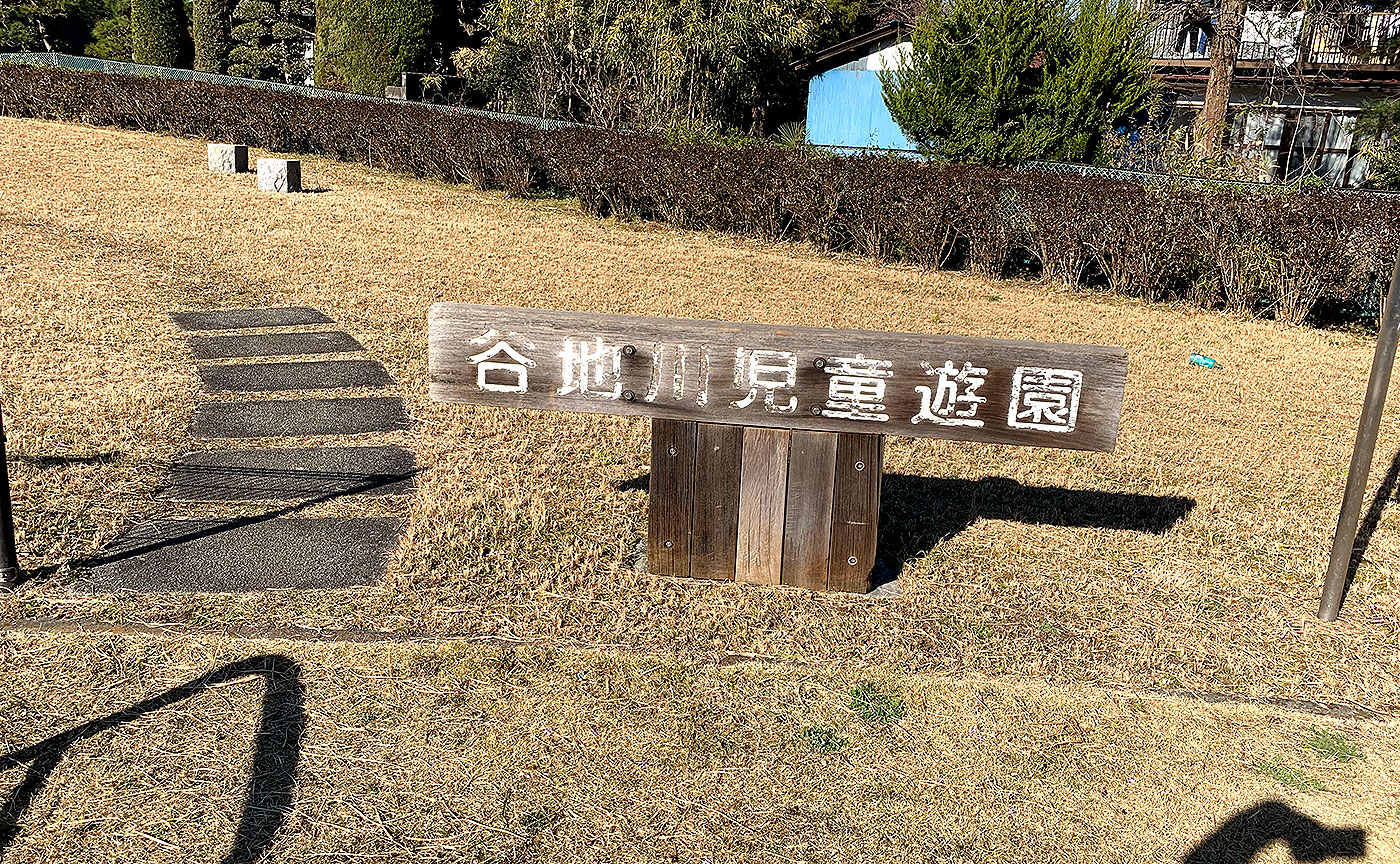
(228, 158)
(279, 175)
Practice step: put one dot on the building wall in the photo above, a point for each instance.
(846, 110)
(1294, 137)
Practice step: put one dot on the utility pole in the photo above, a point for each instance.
(9, 561)
(1335, 585)
(1209, 128)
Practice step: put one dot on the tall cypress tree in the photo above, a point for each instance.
(363, 45)
(160, 34)
(211, 35)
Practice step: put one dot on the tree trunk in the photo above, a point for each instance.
(1209, 128)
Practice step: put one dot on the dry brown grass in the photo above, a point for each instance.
(475, 753)
(519, 529)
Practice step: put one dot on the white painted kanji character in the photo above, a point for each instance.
(767, 370)
(953, 400)
(856, 389)
(680, 361)
(1045, 399)
(515, 364)
(591, 370)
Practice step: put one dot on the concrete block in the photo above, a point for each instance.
(279, 175)
(228, 158)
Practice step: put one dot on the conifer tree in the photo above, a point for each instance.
(1003, 81)
(270, 41)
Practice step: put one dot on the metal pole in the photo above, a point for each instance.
(1360, 471)
(9, 561)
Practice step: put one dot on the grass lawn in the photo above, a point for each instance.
(467, 752)
(1051, 599)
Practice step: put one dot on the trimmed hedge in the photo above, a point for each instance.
(364, 45)
(160, 34)
(1259, 251)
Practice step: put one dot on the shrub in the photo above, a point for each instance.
(1257, 250)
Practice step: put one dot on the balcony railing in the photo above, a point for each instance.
(1287, 40)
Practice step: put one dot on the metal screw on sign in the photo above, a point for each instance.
(816, 409)
(851, 560)
(820, 363)
(628, 395)
(668, 544)
(9, 561)
(860, 466)
(629, 350)
(670, 451)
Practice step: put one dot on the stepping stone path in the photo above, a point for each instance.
(214, 553)
(294, 418)
(313, 375)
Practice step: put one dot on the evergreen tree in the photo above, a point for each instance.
(363, 45)
(47, 25)
(272, 41)
(211, 21)
(160, 34)
(668, 64)
(110, 37)
(1378, 127)
(1003, 81)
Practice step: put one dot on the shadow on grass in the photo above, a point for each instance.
(1240, 839)
(277, 750)
(917, 513)
(1385, 493)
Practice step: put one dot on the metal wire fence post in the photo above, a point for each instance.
(1339, 565)
(9, 561)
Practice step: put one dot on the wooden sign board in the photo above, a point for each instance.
(797, 378)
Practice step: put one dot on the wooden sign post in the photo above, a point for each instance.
(767, 442)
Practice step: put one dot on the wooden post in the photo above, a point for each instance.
(9, 560)
(1339, 564)
(766, 506)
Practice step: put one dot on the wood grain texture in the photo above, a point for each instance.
(855, 512)
(1020, 392)
(671, 497)
(762, 502)
(714, 535)
(807, 520)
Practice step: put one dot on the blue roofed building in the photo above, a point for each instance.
(845, 106)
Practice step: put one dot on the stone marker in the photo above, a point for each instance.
(279, 175)
(235, 555)
(292, 418)
(312, 375)
(272, 345)
(228, 158)
(291, 474)
(237, 319)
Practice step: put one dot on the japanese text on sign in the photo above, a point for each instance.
(892, 383)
